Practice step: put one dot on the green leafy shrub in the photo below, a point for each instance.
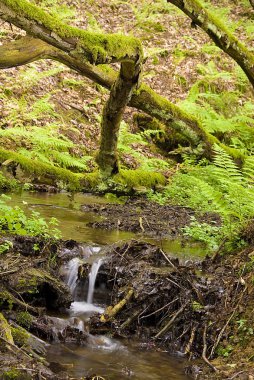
(13, 220)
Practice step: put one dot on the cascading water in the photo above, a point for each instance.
(72, 276)
(79, 306)
(92, 278)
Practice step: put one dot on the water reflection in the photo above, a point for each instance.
(73, 223)
(118, 361)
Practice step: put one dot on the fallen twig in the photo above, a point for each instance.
(158, 310)
(167, 259)
(171, 321)
(204, 351)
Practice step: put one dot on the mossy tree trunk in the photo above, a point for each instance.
(93, 48)
(222, 37)
(252, 3)
(120, 96)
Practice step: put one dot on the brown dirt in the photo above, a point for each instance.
(139, 215)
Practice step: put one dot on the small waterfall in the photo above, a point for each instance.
(72, 276)
(92, 278)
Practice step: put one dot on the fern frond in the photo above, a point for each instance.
(248, 168)
(35, 155)
(65, 160)
(225, 167)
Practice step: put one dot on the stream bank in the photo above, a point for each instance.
(165, 304)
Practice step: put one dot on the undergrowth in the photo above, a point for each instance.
(220, 187)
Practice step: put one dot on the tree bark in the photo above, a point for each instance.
(120, 96)
(222, 37)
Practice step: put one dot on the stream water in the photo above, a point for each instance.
(109, 358)
(73, 223)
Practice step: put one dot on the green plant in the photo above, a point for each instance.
(13, 220)
(24, 319)
(206, 233)
(221, 187)
(135, 146)
(5, 247)
(225, 351)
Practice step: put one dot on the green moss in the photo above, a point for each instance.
(24, 319)
(40, 169)
(6, 298)
(5, 330)
(95, 47)
(90, 180)
(20, 336)
(7, 184)
(135, 178)
(15, 374)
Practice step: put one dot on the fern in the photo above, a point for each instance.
(64, 159)
(41, 107)
(248, 169)
(225, 167)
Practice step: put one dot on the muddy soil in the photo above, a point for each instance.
(138, 215)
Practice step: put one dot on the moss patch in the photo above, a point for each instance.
(5, 330)
(134, 178)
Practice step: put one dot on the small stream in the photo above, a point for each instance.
(109, 358)
(73, 223)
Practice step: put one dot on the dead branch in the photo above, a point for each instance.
(204, 351)
(111, 311)
(171, 321)
(158, 310)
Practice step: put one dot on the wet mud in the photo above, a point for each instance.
(140, 216)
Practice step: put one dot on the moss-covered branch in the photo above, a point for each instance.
(29, 49)
(95, 48)
(144, 99)
(222, 37)
(23, 51)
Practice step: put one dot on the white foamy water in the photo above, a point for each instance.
(78, 308)
(92, 278)
(72, 276)
(101, 342)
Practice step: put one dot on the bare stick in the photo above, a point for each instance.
(167, 259)
(204, 351)
(157, 311)
(171, 321)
